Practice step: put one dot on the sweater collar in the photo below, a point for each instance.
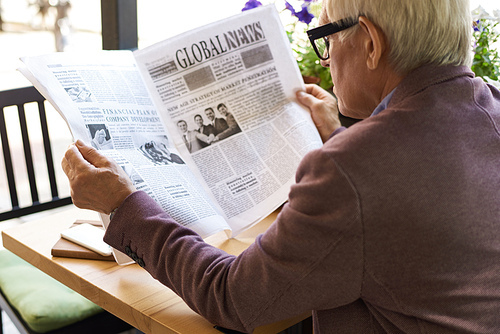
(426, 76)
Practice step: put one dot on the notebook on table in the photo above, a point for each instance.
(66, 248)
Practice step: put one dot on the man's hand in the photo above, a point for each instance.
(323, 108)
(97, 183)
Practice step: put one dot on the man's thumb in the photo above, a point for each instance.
(306, 99)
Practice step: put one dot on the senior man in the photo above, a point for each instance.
(392, 226)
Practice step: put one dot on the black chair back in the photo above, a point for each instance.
(19, 98)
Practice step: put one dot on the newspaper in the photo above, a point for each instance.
(206, 122)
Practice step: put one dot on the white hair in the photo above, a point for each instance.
(418, 31)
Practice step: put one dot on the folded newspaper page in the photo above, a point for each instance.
(206, 122)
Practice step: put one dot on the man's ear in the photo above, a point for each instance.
(374, 42)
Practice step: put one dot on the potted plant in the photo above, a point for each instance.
(486, 61)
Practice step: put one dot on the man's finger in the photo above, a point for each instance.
(74, 158)
(317, 91)
(91, 155)
(308, 100)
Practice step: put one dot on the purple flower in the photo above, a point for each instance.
(304, 15)
(289, 7)
(251, 4)
(476, 25)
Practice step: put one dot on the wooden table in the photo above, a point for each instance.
(128, 292)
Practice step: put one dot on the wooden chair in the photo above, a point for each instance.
(88, 318)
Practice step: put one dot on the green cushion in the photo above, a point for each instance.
(44, 303)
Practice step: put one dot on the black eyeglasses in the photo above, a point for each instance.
(319, 36)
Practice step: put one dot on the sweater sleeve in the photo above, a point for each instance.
(310, 257)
